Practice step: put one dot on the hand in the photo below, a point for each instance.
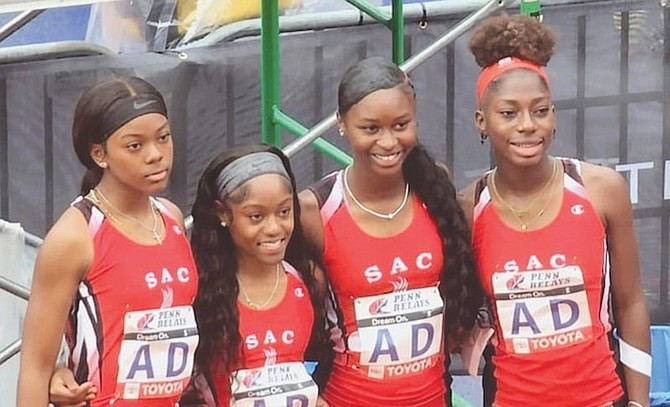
(64, 391)
(320, 402)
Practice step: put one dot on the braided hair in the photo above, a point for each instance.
(459, 285)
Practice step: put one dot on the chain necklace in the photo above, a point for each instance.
(272, 294)
(154, 229)
(519, 214)
(387, 216)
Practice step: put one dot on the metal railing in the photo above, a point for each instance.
(410, 64)
(20, 291)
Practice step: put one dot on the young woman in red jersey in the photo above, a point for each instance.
(116, 269)
(396, 249)
(260, 305)
(554, 240)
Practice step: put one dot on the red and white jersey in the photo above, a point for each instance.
(131, 329)
(549, 289)
(274, 340)
(387, 312)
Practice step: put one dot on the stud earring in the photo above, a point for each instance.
(341, 132)
(103, 164)
(483, 137)
(224, 224)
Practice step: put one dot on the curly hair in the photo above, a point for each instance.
(214, 251)
(512, 36)
(459, 285)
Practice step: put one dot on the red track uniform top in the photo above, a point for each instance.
(387, 313)
(550, 290)
(274, 340)
(131, 329)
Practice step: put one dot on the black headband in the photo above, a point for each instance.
(124, 110)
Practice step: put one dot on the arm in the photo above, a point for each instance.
(609, 193)
(61, 264)
(310, 219)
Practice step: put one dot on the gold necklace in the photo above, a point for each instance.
(519, 214)
(387, 216)
(252, 304)
(154, 229)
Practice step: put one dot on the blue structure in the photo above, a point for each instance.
(57, 24)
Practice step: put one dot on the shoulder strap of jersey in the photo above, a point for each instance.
(573, 168)
(93, 215)
(479, 187)
(323, 187)
(162, 208)
(329, 194)
(291, 270)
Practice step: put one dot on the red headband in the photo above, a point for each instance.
(493, 71)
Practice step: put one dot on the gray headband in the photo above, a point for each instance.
(247, 167)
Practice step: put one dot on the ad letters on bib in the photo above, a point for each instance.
(542, 310)
(156, 356)
(400, 332)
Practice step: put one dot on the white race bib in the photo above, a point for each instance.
(281, 385)
(156, 357)
(399, 332)
(542, 310)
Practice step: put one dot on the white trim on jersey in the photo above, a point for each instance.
(86, 336)
(606, 294)
(484, 199)
(334, 201)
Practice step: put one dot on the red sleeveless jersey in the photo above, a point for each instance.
(549, 289)
(131, 329)
(387, 313)
(270, 371)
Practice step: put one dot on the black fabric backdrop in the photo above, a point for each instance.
(610, 78)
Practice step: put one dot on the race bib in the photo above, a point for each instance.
(542, 310)
(281, 385)
(399, 333)
(156, 358)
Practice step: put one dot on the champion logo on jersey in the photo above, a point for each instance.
(299, 292)
(577, 209)
(514, 283)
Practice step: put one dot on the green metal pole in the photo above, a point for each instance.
(270, 72)
(324, 146)
(372, 10)
(531, 8)
(460, 401)
(398, 32)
